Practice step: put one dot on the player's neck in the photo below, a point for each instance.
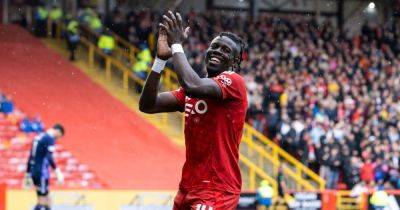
(214, 74)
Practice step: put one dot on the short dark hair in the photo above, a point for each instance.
(59, 127)
(239, 41)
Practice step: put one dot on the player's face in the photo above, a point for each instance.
(58, 134)
(220, 55)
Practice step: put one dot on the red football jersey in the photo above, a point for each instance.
(213, 130)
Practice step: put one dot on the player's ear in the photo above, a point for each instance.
(236, 63)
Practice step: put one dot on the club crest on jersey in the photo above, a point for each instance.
(224, 80)
(200, 107)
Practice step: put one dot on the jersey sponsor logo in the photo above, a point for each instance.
(200, 107)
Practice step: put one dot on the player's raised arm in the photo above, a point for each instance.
(150, 100)
(193, 85)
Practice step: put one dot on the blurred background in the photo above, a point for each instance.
(322, 81)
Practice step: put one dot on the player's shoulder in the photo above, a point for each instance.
(40, 136)
(48, 138)
(231, 77)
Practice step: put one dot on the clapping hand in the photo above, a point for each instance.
(174, 29)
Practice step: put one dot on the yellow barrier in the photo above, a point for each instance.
(260, 156)
(297, 171)
(93, 199)
(346, 202)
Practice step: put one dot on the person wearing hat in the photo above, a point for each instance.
(264, 195)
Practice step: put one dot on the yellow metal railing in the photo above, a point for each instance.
(346, 202)
(260, 157)
(293, 169)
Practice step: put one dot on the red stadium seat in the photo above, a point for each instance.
(15, 146)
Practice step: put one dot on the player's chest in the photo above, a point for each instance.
(197, 109)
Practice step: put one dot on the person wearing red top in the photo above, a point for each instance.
(367, 172)
(214, 109)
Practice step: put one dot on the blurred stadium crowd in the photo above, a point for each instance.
(330, 99)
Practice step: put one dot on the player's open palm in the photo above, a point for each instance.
(173, 25)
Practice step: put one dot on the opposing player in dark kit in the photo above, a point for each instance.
(39, 161)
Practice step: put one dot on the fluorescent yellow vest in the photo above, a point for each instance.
(55, 14)
(106, 42)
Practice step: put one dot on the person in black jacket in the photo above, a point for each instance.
(334, 168)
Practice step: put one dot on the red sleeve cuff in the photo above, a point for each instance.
(179, 97)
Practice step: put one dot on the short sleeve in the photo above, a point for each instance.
(180, 96)
(231, 84)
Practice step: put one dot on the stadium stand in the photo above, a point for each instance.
(306, 81)
(64, 94)
(15, 145)
(328, 98)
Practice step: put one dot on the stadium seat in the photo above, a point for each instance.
(15, 146)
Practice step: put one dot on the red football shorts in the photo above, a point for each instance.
(205, 200)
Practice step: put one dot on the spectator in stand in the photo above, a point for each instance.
(311, 87)
(352, 174)
(334, 165)
(367, 172)
(116, 23)
(37, 124)
(282, 190)
(6, 105)
(25, 125)
(28, 125)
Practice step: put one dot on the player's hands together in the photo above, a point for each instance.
(174, 29)
(163, 50)
(60, 176)
(27, 183)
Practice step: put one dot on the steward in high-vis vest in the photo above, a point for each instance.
(41, 16)
(379, 200)
(72, 37)
(55, 16)
(143, 60)
(95, 24)
(106, 43)
(264, 195)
